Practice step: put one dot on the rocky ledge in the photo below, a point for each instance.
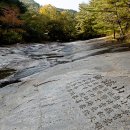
(82, 85)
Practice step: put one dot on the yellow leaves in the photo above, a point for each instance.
(49, 11)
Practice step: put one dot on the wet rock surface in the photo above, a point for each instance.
(70, 86)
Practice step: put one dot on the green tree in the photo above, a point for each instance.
(86, 21)
(61, 25)
(110, 16)
(69, 23)
(35, 26)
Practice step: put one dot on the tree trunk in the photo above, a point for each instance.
(114, 34)
(119, 22)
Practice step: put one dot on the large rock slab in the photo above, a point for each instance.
(73, 101)
(91, 93)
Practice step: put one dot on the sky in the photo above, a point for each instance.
(65, 4)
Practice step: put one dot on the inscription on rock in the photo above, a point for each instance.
(102, 100)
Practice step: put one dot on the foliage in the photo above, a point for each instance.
(35, 26)
(10, 37)
(110, 16)
(10, 22)
(49, 11)
(61, 25)
(10, 17)
(69, 22)
(12, 3)
(26, 21)
(85, 23)
(30, 5)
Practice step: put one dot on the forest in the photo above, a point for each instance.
(24, 22)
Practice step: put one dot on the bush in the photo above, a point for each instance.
(10, 37)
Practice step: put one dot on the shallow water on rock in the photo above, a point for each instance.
(33, 58)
